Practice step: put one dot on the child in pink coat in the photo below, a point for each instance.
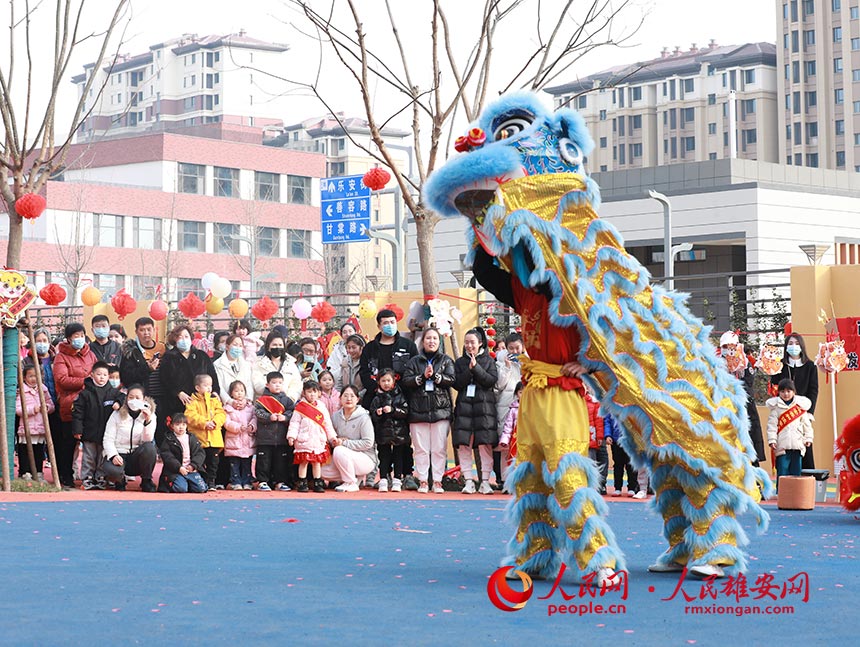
(309, 434)
(240, 432)
(329, 395)
(33, 412)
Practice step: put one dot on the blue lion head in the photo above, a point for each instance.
(522, 138)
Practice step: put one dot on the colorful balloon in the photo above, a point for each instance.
(221, 288)
(90, 296)
(238, 308)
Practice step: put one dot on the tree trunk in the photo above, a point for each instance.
(16, 235)
(425, 223)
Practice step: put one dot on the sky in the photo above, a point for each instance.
(667, 23)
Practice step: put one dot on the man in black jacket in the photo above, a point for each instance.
(387, 350)
(141, 357)
(105, 349)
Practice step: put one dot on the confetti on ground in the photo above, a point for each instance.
(420, 532)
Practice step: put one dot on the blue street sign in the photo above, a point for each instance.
(344, 209)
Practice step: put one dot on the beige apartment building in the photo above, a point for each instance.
(700, 104)
(818, 57)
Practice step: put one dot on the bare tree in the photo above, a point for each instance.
(74, 250)
(433, 83)
(32, 150)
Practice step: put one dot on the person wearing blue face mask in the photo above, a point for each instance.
(232, 366)
(72, 365)
(179, 366)
(797, 367)
(105, 349)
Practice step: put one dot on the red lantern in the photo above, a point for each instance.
(491, 320)
(30, 205)
(493, 354)
(264, 309)
(158, 310)
(323, 312)
(491, 332)
(123, 304)
(191, 306)
(491, 343)
(376, 178)
(53, 294)
(396, 309)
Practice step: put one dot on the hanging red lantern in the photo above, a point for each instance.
(491, 320)
(123, 304)
(30, 205)
(53, 294)
(491, 332)
(264, 309)
(396, 309)
(376, 178)
(191, 306)
(158, 310)
(323, 312)
(491, 343)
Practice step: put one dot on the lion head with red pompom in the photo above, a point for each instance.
(848, 447)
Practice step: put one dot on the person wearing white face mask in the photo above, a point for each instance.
(128, 446)
(106, 350)
(797, 367)
(232, 366)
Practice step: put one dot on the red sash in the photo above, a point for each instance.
(310, 412)
(789, 416)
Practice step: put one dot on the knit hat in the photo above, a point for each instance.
(729, 338)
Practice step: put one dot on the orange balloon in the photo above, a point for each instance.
(238, 308)
(91, 296)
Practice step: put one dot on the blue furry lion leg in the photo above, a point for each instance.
(579, 512)
(668, 501)
(534, 546)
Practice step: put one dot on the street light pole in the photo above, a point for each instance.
(668, 256)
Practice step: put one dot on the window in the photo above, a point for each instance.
(788, 132)
(785, 11)
(603, 167)
(793, 10)
(855, 75)
(672, 90)
(192, 236)
(784, 46)
(621, 122)
(855, 44)
(795, 72)
(811, 100)
(839, 95)
(855, 14)
(184, 286)
(635, 150)
(673, 118)
(811, 132)
(108, 231)
(603, 142)
(798, 136)
(225, 238)
(689, 85)
(298, 243)
(298, 189)
(689, 143)
(268, 241)
(856, 106)
(145, 287)
(226, 182)
(837, 65)
(712, 128)
(109, 284)
(636, 93)
(787, 103)
(688, 116)
(808, 7)
(581, 102)
(603, 115)
(712, 99)
(857, 139)
(748, 106)
(621, 155)
(840, 158)
(147, 233)
(635, 122)
(795, 100)
(808, 69)
(712, 156)
(836, 4)
(798, 159)
(190, 178)
(837, 34)
(795, 41)
(749, 75)
(188, 103)
(840, 126)
(812, 160)
(674, 146)
(809, 37)
(267, 186)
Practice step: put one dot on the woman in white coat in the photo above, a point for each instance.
(232, 366)
(276, 360)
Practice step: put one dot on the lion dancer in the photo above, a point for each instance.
(556, 506)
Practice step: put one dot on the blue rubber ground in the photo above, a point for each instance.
(374, 572)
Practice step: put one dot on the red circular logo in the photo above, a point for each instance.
(502, 595)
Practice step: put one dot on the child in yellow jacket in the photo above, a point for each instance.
(206, 417)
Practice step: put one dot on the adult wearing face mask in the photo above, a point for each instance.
(276, 360)
(106, 350)
(232, 366)
(797, 367)
(728, 344)
(181, 364)
(219, 343)
(128, 446)
(72, 365)
(387, 350)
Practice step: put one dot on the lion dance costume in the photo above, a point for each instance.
(848, 447)
(582, 298)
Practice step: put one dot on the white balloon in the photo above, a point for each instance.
(208, 279)
(220, 288)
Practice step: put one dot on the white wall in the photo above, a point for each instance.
(144, 174)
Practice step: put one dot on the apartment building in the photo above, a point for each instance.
(345, 141)
(159, 210)
(701, 104)
(186, 81)
(818, 55)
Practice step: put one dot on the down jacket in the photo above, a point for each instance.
(35, 422)
(309, 437)
(171, 455)
(268, 432)
(797, 433)
(433, 405)
(124, 433)
(71, 368)
(92, 408)
(237, 442)
(390, 428)
(355, 433)
(475, 415)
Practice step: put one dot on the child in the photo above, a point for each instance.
(309, 434)
(113, 377)
(239, 440)
(329, 395)
(508, 437)
(250, 340)
(309, 366)
(274, 456)
(205, 418)
(389, 411)
(90, 412)
(596, 446)
(510, 376)
(183, 457)
(33, 412)
(789, 428)
(620, 460)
